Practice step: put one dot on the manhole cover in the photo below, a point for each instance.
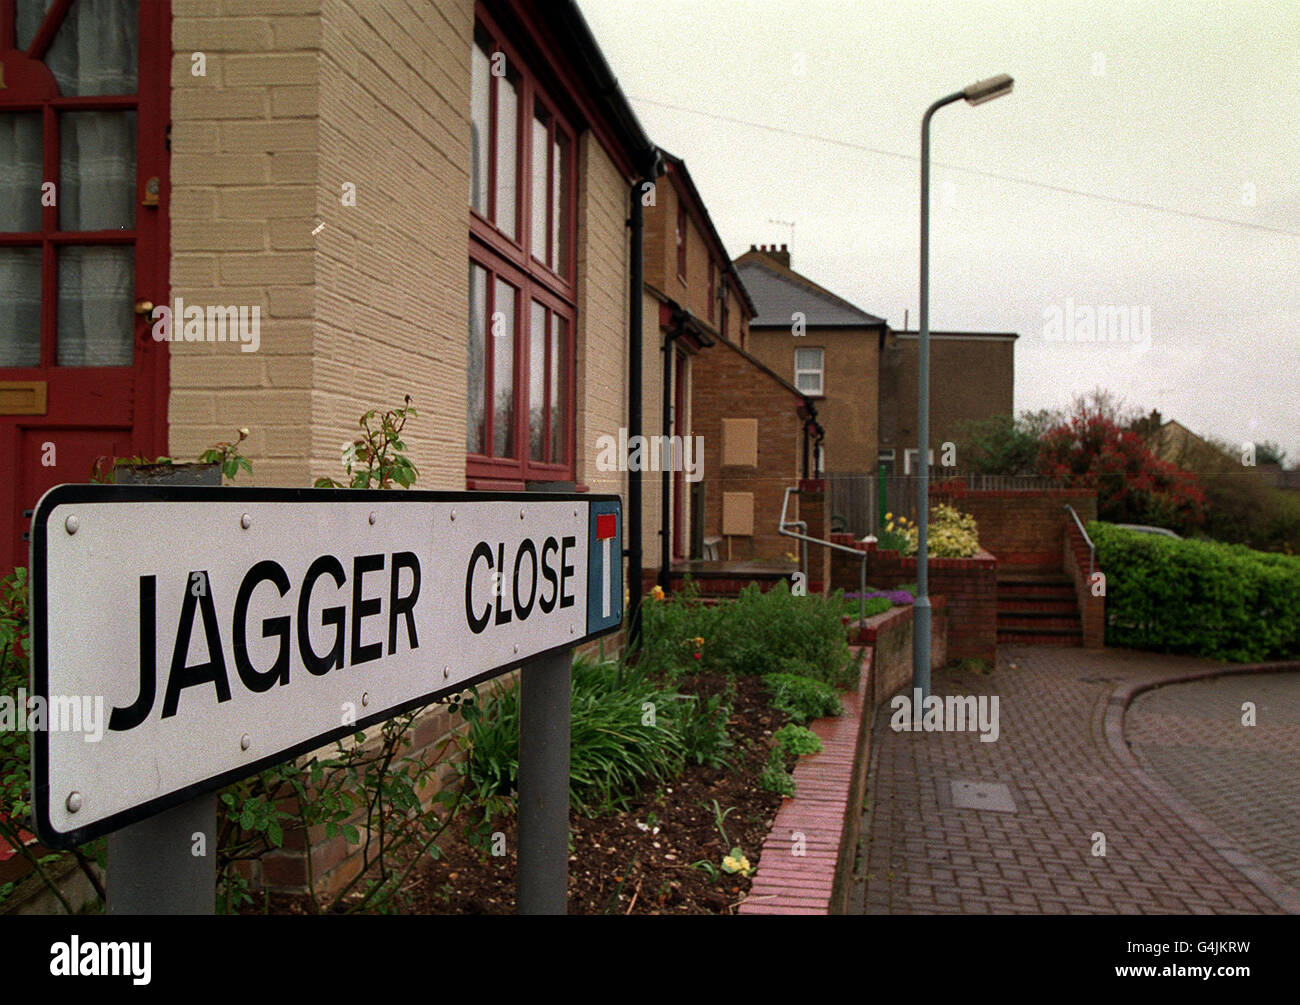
(982, 796)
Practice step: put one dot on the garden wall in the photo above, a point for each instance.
(1022, 527)
(1092, 609)
(969, 585)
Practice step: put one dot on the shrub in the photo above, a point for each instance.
(951, 534)
(797, 740)
(802, 698)
(625, 732)
(1223, 601)
(758, 633)
(876, 603)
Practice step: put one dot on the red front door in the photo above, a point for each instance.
(83, 243)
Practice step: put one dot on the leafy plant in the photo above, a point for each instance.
(951, 534)
(757, 633)
(797, 740)
(377, 458)
(228, 456)
(774, 777)
(803, 698)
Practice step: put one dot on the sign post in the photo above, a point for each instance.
(220, 631)
(542, 885)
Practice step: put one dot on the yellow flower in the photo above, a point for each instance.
(698, 640)
(657, 593)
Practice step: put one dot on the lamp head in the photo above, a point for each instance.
(987, 90)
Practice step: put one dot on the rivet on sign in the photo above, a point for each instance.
(570, 627)
(71, 524)
(74, 802)
(245, 742)
(446, 672)
(365, 698)
(245, 521)
(516, 647)
(453, 514)
(373, 518)
(521, 514)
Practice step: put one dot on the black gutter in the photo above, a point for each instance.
(635, 408)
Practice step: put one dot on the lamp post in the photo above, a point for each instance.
(975, 94)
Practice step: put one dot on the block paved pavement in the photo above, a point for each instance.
(920, 853)
(1244, 778)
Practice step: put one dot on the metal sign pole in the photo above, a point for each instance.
(544, 695)
(166, 864)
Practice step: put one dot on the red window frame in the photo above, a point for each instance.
(512, 259)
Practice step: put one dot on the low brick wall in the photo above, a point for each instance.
(970, 586)
(1092, 609)
(1022, 527)
(806, 863)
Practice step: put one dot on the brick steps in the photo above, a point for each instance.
(1038, 608)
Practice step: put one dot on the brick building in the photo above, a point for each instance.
(863, 373)
(972, 377)
(429, 201)
(824, 345)
(426, 199)
(757, 429)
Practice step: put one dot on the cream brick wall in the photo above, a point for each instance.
(300, 97)
(241, 204)
(602, 311)
(392, 292)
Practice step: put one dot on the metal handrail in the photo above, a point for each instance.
(781, 529)
(1092, 550)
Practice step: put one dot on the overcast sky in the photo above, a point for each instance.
(1186, 106)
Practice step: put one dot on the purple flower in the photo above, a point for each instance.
(896, 597)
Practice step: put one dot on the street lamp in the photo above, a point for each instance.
(975, 94)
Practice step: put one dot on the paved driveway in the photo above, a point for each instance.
(1056, 795)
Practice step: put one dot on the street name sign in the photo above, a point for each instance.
(224, 630)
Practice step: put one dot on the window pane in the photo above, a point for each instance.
(807, 359)
(95, 49)
(96, 170)
(507, 156)
(808, 383)
(20, 178)
(559, 396)
(20, 306)
(537, 382)
(503, 382)
(560, 204)
(480, 123)
(476, 363)
(96, 321)
(539, 189)
(27, 18)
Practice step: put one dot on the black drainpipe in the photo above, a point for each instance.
(636, 283)
(665, 475)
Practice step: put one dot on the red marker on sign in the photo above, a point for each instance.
(606, 528)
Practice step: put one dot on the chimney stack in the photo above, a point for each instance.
(777, 254)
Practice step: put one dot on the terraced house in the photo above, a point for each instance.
(428, 199)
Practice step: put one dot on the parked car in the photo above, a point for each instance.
(1146, 529)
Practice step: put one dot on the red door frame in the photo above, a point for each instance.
(131, 398)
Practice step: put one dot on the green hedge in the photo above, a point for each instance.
(1223, 601)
